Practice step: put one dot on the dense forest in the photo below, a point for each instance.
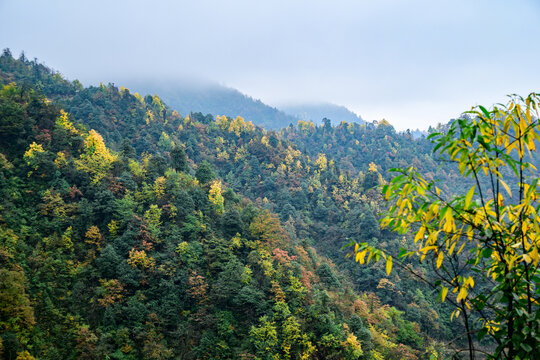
(131, 231)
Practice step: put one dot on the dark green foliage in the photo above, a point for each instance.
(178, 159)
(205, 173)
(327, 275)
(187, 282)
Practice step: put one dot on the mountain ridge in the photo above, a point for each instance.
(210, 98)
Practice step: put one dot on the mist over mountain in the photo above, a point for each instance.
(188, 96)
(318, 111)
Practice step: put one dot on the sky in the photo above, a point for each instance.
(414, 63)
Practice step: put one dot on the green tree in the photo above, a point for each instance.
(178, 159)
(205, 173)
(484, 244)
(16, 312)
(165, 142)
(264, 338)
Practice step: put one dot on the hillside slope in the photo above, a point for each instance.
(180, 236)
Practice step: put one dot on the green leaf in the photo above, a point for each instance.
(350, 243)
(402, 253)
(482, 333)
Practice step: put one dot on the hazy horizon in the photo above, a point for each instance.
(415, 64)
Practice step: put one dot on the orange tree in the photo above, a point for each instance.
(483, 244)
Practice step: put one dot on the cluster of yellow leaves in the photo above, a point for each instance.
(216, 198)
(93, 237)
(322, 162)
(139, 258)
(353, 346)
(24, 355)
(237, 125)
(32, 154)
(361, 250)
(159, 187)
(63, 122)
(222, 154)
(96, 159)
(60, 160)
(266, 227)
(306, 126)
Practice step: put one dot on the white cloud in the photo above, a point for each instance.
(414, 63)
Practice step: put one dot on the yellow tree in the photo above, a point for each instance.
(485, 243)
(96, 159)
(216, 198)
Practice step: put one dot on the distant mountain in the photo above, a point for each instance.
(318, 111)
(208, 98)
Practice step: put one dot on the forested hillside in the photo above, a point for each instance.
(192, 96)
(129, 231)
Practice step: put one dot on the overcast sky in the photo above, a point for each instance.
(415, 63)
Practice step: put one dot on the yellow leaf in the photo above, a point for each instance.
(356, 248)
(449, 222)
(524, 228)
(511, 260)
(360, 256)
(389, 265)
(461, 248)
(500, 200)
(522, 124)
(469, 196)
(369, 257)
(470, 233)
(419, 234)
(425, 249)
(531, 145)
(440, 259)
(402, 206)
(452, 248)
(462, 295)
(443, 293)
(506, 187)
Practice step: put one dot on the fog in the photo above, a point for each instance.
(415, 63)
